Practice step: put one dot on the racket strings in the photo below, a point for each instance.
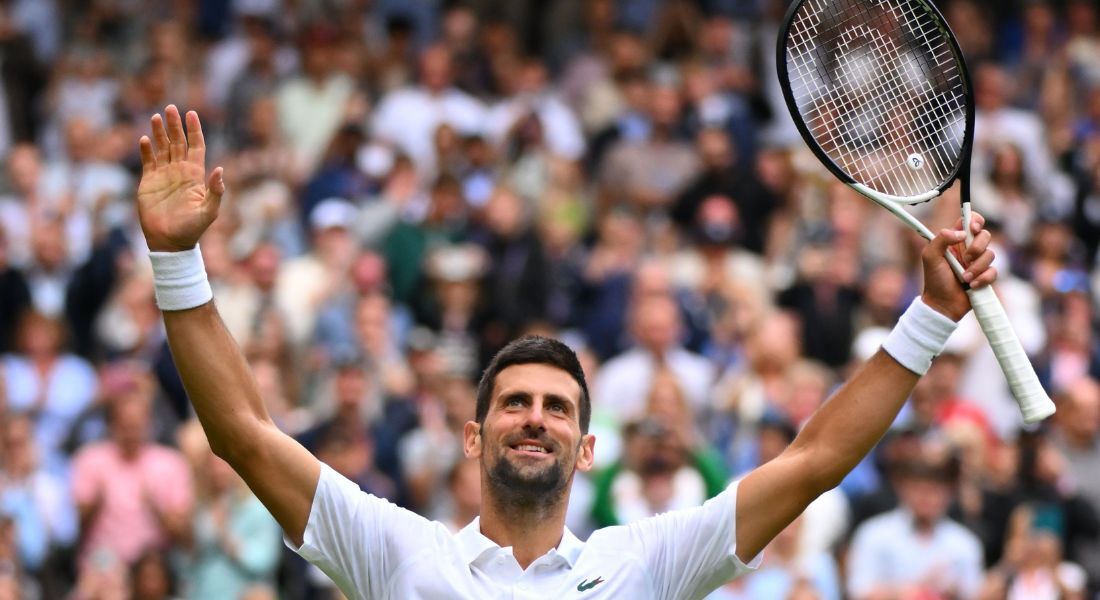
(884, 51)
(876, 85)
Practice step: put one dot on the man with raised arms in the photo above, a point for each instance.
(530, 435)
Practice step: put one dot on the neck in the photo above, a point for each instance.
(531, 528)
(924, 526)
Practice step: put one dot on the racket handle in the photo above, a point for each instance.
(1029, 393)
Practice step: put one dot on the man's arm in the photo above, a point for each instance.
(176, 203)
(854, 419)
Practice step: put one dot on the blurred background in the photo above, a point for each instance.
(414, 183)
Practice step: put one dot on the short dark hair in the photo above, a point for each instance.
(533, 349)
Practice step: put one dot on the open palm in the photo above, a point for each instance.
(176, 202)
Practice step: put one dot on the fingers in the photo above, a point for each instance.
(981, 262)
(215, 187)
(160, 137)
(148, 159)
(196, 143)
(938, 246)
(987, 277)
(177, 148)
(977, 221)
(977, 247)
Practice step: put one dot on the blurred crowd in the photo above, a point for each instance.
(414, 183)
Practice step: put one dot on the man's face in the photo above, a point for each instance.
(531, 442)
(928, 499)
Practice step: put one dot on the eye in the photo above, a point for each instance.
(513, 402)
(557, 406)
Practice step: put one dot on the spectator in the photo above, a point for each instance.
(532, 94)
(124, 508)
(304, 283)
(784, 569)
(916, 549)
(655, 324)
(362, 411)
(335, 328)
(464, 487)
(514, 286)
(46, 520)
(51, 385)
(313, 105)
(1077, 436)
(409, 117)
(649, 173)
(235, 540)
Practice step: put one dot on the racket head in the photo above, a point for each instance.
(880, 92)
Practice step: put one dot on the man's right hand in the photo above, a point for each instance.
(176, 203)
(942, 290)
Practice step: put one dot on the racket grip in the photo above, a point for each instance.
(1029, 393)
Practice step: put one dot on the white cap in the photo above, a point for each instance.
(461, 262)
(332, 212)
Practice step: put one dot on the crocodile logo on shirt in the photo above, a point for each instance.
(586, 585)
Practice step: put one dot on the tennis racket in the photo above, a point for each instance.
(880, 92)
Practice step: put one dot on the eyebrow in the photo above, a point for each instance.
(524, 395)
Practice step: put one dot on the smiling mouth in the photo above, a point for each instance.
(530, 449)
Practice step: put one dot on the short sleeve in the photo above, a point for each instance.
(180, 495)
(360, 540)
(85, 481)
(692, 552)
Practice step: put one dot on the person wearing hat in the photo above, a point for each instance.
(306, 282)
(530, 434)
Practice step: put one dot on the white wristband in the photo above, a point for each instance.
(919, 336)
(179, 279)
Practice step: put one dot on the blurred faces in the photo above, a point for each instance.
(775, 343)
(24, 168)
(1079, 411)
(48, 245)
(263, 266)
(655, 323)
(505, 213)
(350, 388)
(150, 579)
(992, 91)
(131, 416)
(435, 69)
(926, 498)
(368, 272)
(39, 336)
(465, 486)
(716, 149)
(665, 106)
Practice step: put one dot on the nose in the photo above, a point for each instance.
(536, 416)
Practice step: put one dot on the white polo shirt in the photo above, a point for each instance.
(374, 549)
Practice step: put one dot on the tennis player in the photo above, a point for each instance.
(530, 436)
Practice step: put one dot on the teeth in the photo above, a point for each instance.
(530, 448)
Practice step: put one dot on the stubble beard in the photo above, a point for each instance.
(535, 489)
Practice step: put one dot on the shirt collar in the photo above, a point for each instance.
(472, 544)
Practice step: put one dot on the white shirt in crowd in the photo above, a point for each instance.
(887, 550)
(410, 116)
(622, 385)
(560, 127)
(373, 549)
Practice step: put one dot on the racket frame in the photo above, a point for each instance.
(1035, 405)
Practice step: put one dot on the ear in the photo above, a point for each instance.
(471, 439)
(586, 455)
